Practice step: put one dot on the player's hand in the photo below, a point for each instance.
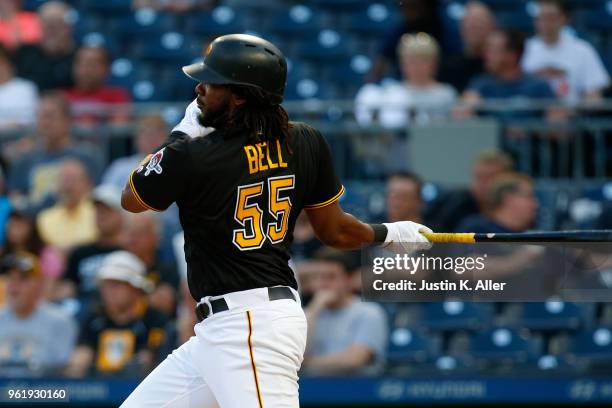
(190, 124)
(405, 236)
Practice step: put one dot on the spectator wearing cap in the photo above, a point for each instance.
(92, 101)
(419, 97)
(345, 335)
(151, 131)
(570, 65)
(37, 338)
(18, 96)
(477, 23)
(123, 336)
(22, 236)
(143, 238)
(49, 63)
(71, 221)
(85, 260)
(32, 177)
(17, 26)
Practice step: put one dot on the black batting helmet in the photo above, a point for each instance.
(242, 59)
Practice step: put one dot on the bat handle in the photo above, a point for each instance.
(456, 237)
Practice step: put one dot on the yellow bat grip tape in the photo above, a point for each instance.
(458, 237)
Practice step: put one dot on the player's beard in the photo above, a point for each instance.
(217, 118)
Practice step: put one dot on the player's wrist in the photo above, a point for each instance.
(380, 233)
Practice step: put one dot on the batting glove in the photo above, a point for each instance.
(190, 124)
(405, 236)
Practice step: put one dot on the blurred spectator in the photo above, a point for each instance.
(419, 96)
(143, 236)
(37, 338)
(477, 24)
(85, 260)
(71, 221)
(16, 26)
(175, 6)
(34, 175)
(123, 336)
(345, 335)
(504, 78)
(571, 65)
(511, 206)
(18, 97)
(305, 242)
(49, 64)
(5, 208)
(404, 202)
(22, 236)
(448, 211)
(151, 132)
(417, 16)
(92, 101)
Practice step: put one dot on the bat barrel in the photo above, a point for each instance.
(541, 236)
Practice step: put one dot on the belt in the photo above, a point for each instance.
(204, 310)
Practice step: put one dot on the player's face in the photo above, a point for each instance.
(214, 101)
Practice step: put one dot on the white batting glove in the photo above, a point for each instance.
(405, 236)
(190, 125)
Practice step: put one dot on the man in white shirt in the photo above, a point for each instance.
(18, 97)
(571, 65)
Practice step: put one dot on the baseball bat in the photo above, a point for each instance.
(540, 236)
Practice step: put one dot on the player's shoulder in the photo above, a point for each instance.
(303, 133)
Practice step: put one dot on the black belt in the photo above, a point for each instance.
(220, 305)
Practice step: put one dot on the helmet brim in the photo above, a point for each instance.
(201, 73)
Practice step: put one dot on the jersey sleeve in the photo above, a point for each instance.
(327, 188)
(163, 179)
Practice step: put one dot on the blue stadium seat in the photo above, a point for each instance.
(149, 91)
(297, 20)
(516, 19)
(219, 21)
(107, 6)
(146, 22)
(170, 46)
(506, 5)
(327, 45)
(340, 5)
(376, 19)
(408, 345)
(594, 345)
(597, 18)
(555, 315)
(306, 89)
(456, 315)
(351, 71)
(99, 39)
(504, 344)
(125, 72)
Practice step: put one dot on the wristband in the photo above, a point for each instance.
(380, 233)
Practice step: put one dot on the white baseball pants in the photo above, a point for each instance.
(246, 357)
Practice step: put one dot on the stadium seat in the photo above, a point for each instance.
(520, 20)
(170, 46)
(149, 91)
(456, 315)
(597, 18)
(408, 345)
(297, 20)
(375, 20)
(504, 344)
(592, 346)
(99, 39)
(145, 22)
(555, 315)
(505, 5)
(107, 6)
(125, 72)
(340, 5)
(219, 21)
(326, 46)
(306, 89)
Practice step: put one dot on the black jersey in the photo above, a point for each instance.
(238, 203)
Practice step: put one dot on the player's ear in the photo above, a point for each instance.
(236, 100)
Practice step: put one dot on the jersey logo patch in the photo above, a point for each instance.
(155, 163)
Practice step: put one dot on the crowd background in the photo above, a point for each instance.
(88, 88)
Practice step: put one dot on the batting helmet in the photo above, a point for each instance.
(242, 59)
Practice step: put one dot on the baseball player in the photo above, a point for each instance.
(240, 173)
